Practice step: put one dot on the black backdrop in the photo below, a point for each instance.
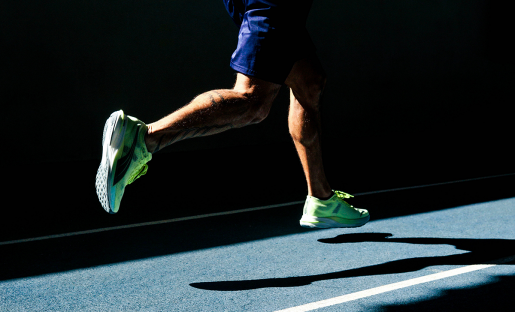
(418, 91)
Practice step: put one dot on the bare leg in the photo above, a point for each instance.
(306, 82)
(213, 112)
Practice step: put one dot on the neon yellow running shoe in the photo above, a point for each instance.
(124, 158)
(334, 212)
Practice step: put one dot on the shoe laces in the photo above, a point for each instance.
(342, 196)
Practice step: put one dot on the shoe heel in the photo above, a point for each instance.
(119, 130)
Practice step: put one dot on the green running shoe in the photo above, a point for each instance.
(332, 213)
(124, 158)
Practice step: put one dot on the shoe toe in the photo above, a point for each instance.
(363, 212)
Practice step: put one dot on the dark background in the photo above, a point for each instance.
(418, 92)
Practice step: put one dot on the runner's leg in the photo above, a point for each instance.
(215, 111)
(306, 81)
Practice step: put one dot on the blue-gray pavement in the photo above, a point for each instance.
(157, 271)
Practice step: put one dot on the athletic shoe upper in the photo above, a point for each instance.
(333, 212)
(124, 158)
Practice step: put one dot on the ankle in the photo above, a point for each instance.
(149, 141)
(323, 195)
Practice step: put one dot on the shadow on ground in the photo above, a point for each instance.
(81, 251)
(479, 251)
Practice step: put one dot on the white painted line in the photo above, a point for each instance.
(121, 227)
(394, 286)
(436, 184)
(223, 213)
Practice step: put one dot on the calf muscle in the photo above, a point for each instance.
(213, 112)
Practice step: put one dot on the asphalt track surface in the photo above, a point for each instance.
(263, 260)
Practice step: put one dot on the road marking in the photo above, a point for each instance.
(113, 228)
(395, 286)
(121, 227)
(436, 184)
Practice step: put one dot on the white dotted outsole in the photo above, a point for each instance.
(102, 178)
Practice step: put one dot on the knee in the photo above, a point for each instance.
(320, 80)
(317, 87)
(260, 110)
(259, 103)
(309, 93)
(255, 112)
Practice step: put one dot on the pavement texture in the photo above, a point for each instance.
(264, 261)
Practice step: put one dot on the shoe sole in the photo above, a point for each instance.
(112, 143)
(326, 223)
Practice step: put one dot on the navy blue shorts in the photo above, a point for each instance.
(272, 36)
